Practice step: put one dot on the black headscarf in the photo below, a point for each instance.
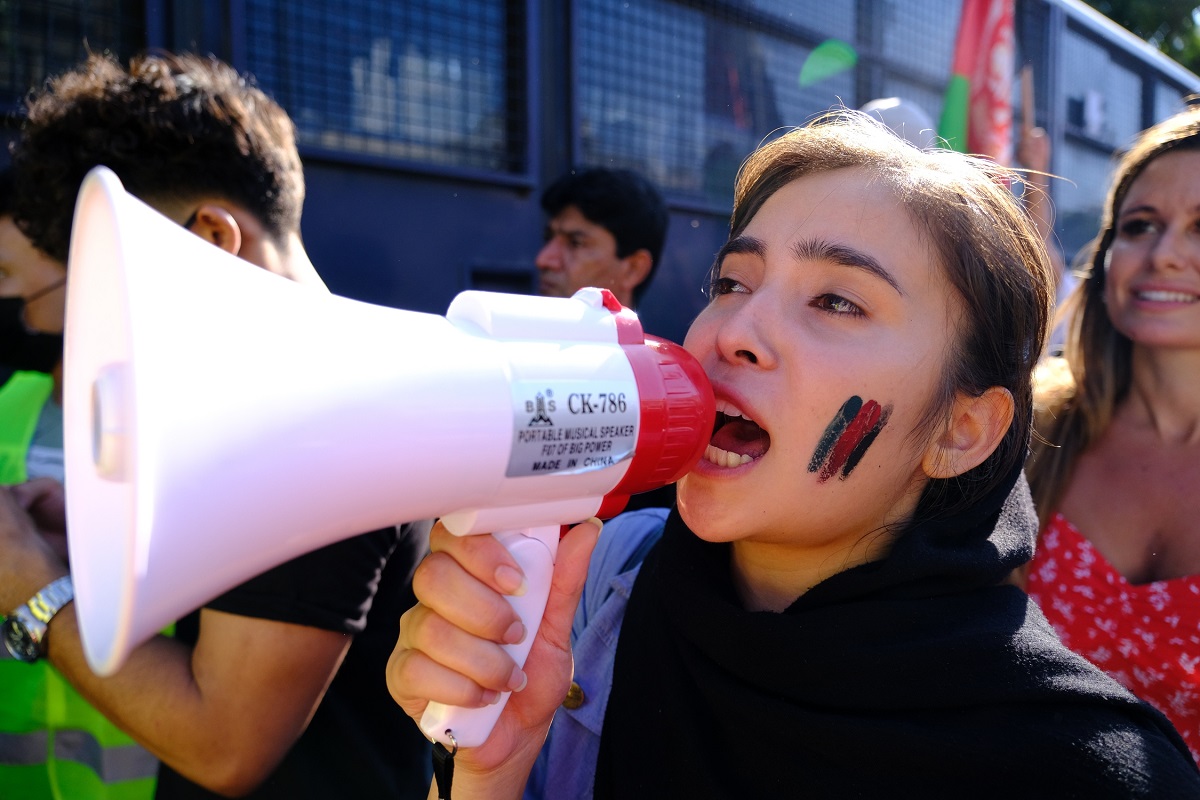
(919, 675)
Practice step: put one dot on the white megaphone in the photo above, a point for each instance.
(220, 420)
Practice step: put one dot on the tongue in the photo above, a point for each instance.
(743, 437)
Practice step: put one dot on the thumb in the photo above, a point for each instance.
(570, 574)
(548, 667)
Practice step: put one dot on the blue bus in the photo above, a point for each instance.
(430, 127)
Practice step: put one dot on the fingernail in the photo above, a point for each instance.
(517, 681)
(599, 523)
(510, 580)
(515, 633)
(491, 697)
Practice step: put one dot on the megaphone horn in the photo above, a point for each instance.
(220, 420)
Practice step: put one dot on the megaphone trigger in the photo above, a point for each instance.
(534, 550)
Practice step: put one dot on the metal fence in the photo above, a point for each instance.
(681, 90)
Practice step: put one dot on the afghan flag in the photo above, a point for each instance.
(977, 113)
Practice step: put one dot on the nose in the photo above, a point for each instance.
(550, 256)
(744, 337)
(1174, 249)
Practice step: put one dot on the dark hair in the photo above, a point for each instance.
(623, 203)
(1077, 396)
(986, 245)
(172, 127)
(6, 191)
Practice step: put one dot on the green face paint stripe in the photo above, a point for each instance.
(858, 452)
(847, 412)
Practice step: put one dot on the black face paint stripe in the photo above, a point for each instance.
(847, 412)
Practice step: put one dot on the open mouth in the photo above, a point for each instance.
(736, 439)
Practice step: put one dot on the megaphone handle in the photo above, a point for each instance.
(534, 550)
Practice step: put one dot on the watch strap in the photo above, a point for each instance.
(37, 612)
(50, 600)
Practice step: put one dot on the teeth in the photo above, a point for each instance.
(729, 410)
(1167, 297)
(724, 458)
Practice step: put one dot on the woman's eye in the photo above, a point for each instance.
(1135, 227)
(836, 304)
(720, 286)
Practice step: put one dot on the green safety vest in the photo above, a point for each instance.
(21, 401)
(53, 744)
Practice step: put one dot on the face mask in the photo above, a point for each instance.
(21, 348)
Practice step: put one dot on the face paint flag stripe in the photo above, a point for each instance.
(857, 454)
(858, 428)
(846, 413)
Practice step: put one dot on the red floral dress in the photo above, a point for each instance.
(1146, 636)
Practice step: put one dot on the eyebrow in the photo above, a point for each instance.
(742, 244)
(1150, 208)
(568, 231)
(815, 249)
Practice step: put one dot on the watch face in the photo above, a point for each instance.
(18, 641)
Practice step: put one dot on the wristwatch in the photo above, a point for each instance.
(24, 630)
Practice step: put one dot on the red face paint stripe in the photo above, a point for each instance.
(857, 454)
(855, 431)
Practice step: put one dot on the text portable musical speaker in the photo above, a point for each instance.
(220, 420)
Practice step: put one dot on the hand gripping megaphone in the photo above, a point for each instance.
(220, 420)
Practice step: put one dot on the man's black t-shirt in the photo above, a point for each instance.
(360, 744)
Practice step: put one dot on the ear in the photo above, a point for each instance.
(217, 224)
(634, 269)
(973, 432)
